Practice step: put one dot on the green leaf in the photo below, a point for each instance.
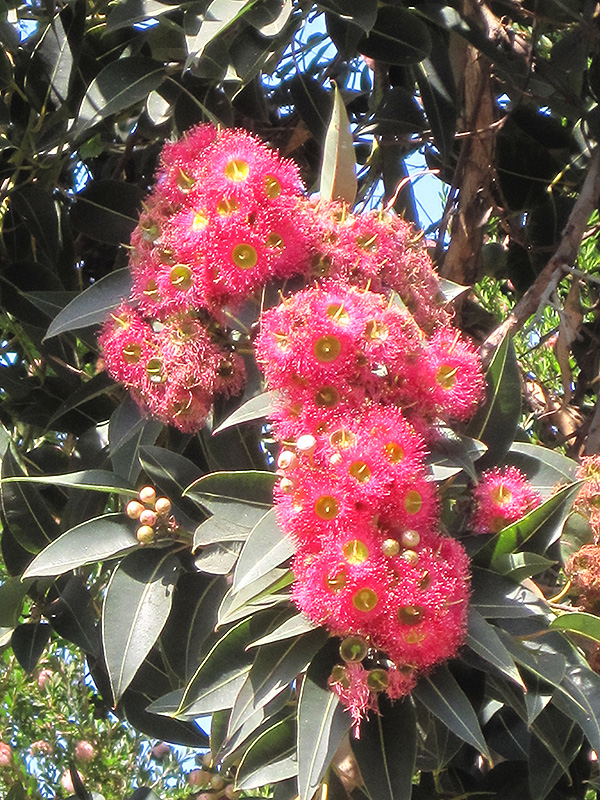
(338, 170)
(12, 594)
(95, 480)
(136, 606)
(294, 626)
(216, 529)
(93, 306)
(241, 497)
(28, 642)
(578, 622)
(97, 386)
(438, 94)
(397, 37)
(94, 540)
(442, 695)
(498, 597)
(220, 675)
(519, 566)
(218, 558)
(362, 12)
(579, 699)
(36, 207)
(544, 769)
(575, 534)
(451, 290)
(545, 468)
(127, 12)
(128, 430)
(107, 211)
(386, 751)
(547, 520)
(495, 423)
(25, 512)
(436, 744)
(252, 410)
(262, 593)
(322, 725)
(455, 451)
(483, 640)
(545, 664)
(118, 86)
(266, 547)
(270, 758)
(275, 667)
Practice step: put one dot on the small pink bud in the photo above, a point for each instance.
(147, 517)
(287, 486)
(194, 778)
(134, 509)
(163, 505)
(287, 460)
(148, 495)
(67, 782)
(306, 444)
(5, 755)
(217, 782)
(84, 751)
(160, 751)
(145, 534)
(44, 678)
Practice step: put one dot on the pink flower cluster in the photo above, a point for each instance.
(361, 387)
(226, 216)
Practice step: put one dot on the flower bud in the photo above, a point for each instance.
(148, 517)
(5, 755)
(134, 509)
(84, 751)
(145, 534)
(148, 495)
(163, 505)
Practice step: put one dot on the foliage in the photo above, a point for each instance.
(501, 99)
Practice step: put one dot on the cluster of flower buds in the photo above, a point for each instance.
(217, 786)
(154, 515)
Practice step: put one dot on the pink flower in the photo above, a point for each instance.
(350, 684)
(66, 781)
(6, 755)
(41, 747)
(44, 677)
(502, 496)
(84, 751)
(587, 501)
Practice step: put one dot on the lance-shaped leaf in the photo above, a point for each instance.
(266, 547)
(252, 410)
(136, 606)
(483, 640)
(276, 666)
(518, 566)
(12, 595)
(107, 210)
(93, 306)
(322, 725)
(496, 421)
(442, 695)
(386, 751)
(241, 497)
(579, 698)
(128, 430)
(338, 170)
(270, 758)
(436, 744)
(267, 591)
(28, 642)
(94, 540)
(498, 597)
(545, 468)
(578, 622)
(97, 480)
(119, 85)
(454, 451)
(294, 626)
(218, 558)
(216, 529)
(544, 769)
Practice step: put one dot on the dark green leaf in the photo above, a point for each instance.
(438, 93)
(25, 512)
(136, 606)
(544, 769)
(171, 473)
(498, 597)
(545, 468)
(97, 386)
(128, 430)
(252, 410)
(265, 548)
(12, 595)
(107, 211)
(262, 593)
(452, 452)
(338, 170)
(128, 12)
(294, 626)
(93, 306)
(322, 725)
(579, 698)
(442, 695)
(483, 640)
(276, 666)
(518, 566)
(397, 37)
(361, 12)
(135, 707)
(218, 558)
(270, 758)
(72, 615)
(575, 534)
(545, 664)
(216, 529)
(95, 480)
(436, 744)
(386, 751)
(496, 421)
(36, 207)
(28, 642)
(240, 497)
(118, 86)
(94, 540)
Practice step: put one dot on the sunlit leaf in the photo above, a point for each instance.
(338, 170)
(265, 548)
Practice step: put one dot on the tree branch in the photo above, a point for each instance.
(560, 263)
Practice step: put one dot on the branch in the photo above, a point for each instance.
(561, 262)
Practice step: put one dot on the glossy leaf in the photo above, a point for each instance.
(545, 468)
(215, 529)
(575, 534)
(240, 497)
(94, 540)
(456, 452)
(579, 699)
(483, 640)
(436, 744)
(442, 695)
(580, 622)
(495, 423)
(94, 480)
(12, 594)
(129, 429)
(397, 37)
(498, 597)
(338, 170)
(362, 12)
(28, 642)
(270, 758)
(544, 770)
(256, 408)
(276, 666)
(386, 751)
(267, 591)
(294, 626)
(118, 85)
(219, 558)
(266, 547)
(128, 12)
(519, 566)
(93, 306)
(171, 473)
(37, 209)
(322, 725)
(136, 606)
(438, 93)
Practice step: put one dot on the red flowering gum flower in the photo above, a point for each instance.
(425, 612)
(413, 504)
(127, 342)
(297, 412)
(351, 684)
(587, 501)
(583, 568)
(182, 162)
(502, 496)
